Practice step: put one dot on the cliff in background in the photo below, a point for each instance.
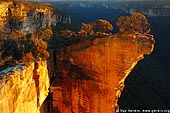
(24, 89)
(91, 73)
(28, 17)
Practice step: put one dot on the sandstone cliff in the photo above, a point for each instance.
(28, 17)
(24, 89)
(91, 73)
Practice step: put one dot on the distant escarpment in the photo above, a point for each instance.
(91, 73)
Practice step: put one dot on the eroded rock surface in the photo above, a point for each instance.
(29, 17)
(91, 73)
(24, 89)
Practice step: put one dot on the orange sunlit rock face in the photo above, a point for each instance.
(24, 89)
(91, 74)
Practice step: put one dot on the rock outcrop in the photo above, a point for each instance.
(91, 73)
(24, 89)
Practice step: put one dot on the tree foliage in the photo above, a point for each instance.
(66, 34)
(27, 58)
(87, 28)
(16, 47)
(39, 48)
(9, 48)
(137, 22)
(102, 26)
(97, 26)
(82, 33)
(45, 33)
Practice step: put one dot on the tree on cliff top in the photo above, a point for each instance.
(97, 26)
(103, 26)
(137, 22)
(45, 33)
(39, 48)
(66, 34)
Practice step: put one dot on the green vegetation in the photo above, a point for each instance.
(137, 22)
(97, 28)
(64, 37)
(16, 47)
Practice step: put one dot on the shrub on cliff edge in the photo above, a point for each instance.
(137, 22)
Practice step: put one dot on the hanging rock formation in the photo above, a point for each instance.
(91, 73)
